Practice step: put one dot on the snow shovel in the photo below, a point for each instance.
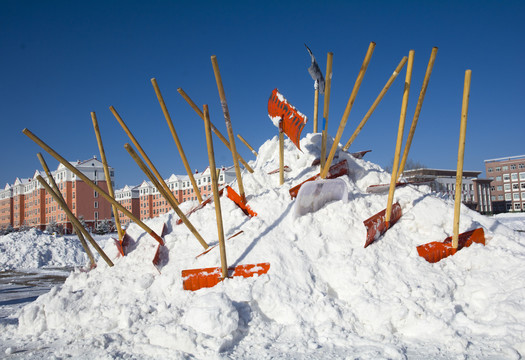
(123, 239)
(293, 121)
(335, 171)
(195, 279)
(315, 194)
(233, 196)
(435, 251)
(379, 223)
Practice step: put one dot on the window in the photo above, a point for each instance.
(95, 205)
(521, 166)
(489, 170)
(498, 168)
(522, 175)
(506, 177)
(515, 187)
(514, 176)
(523, 196)
(504, 168)
(95, 194)
(522, 185)
(500, 197)
(500, 188)
(516, 196)
(96, 215)
(517, 206)
(513, 167)
(508, 197)
(498, 178)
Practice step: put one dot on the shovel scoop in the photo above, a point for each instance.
(435, 251)
(377, 225)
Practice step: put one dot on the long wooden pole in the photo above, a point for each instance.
(326, 107)
(247, 145)
(316, 105)
(461, 155)
(213, 128)
(95, 187)
(163, 191)
(77, 230)
(176, 139)
(72, 217)
(143, 153)
(215, 187)
(229, 128)
(399, 141)
(107, 174)
(376, 102)
(418, 111)
(348, 108)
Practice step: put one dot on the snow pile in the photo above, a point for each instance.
(325, 296)
(33, 249)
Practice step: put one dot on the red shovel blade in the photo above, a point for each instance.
(376, 225)
(285, 168)
(435, 251)
(293, 122)
(196, 279)
(335, 171)
(236, 198)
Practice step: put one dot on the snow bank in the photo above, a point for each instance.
(325, 296)
(33, 249)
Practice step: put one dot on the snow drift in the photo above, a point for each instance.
(325, 296)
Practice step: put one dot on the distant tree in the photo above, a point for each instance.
(83, 222)
(24, 227)
(9, 229)
(53, 227)
(103, 227)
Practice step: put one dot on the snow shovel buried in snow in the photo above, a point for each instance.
(196, 279)
(315, 194)
(379, 223)
(335, 171)
(435, 251)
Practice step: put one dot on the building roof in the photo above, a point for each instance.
(439, 172)
(508, 158)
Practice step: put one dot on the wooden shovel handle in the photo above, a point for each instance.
(399, 142)
(216, 196)
(461, 155)
(348, 108)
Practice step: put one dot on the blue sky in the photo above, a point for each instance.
(60, 60)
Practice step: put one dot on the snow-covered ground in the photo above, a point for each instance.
(325, 295)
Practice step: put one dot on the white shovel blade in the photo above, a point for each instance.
(313, 195)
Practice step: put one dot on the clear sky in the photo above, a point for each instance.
(60, 60)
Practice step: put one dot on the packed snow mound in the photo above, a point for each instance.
(34, 249)
(325, 295)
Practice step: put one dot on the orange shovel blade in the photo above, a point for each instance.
(196, 279)
(339, 169)
(293, 122)
(435, 251)
(377, 226)
(236, 198)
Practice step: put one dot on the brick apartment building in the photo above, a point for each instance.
(145, 201)
(508, 183)
(26, 202)
(476, 192)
